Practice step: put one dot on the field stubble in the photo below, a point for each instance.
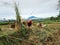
(49, 35)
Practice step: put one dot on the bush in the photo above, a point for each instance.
(3, 23)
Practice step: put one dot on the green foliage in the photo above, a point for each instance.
(58, 17)
(52, 18)
(3, 23)
(55, 18)
(24, 33)
(18, 18)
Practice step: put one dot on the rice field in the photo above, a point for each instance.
(49, 35)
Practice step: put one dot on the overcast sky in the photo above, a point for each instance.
(38, 8)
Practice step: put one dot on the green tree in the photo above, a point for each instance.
(52, 18)
(58, 16)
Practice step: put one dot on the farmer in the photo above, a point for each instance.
(29, 23)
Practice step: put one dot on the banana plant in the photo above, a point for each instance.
(18, 17)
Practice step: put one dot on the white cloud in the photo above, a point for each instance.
(41, 15)
(39, 8)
